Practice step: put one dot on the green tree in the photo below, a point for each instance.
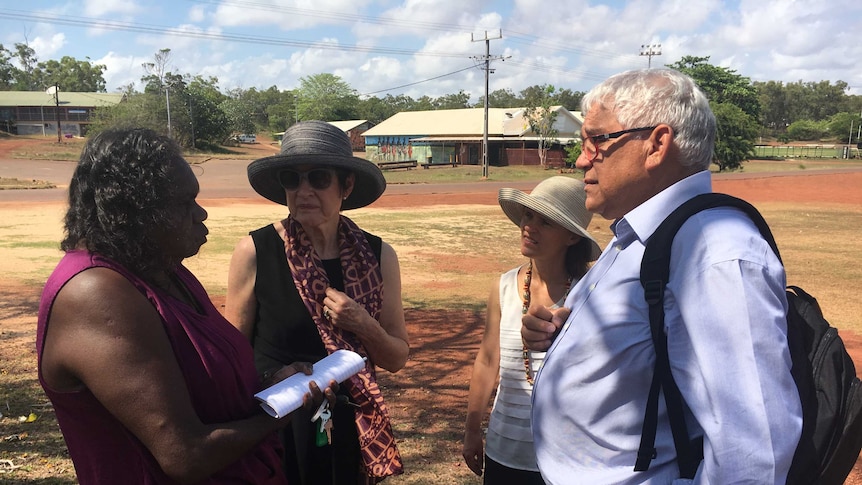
(459, 100)
(280, 109)
(816, 101)
(25, 76)
(71, 74)
(774, 112)
(375, 109)
(137, 110)
(827, 99)
(721, 85)
(735, 135)
(542, 118)
(573, 152)
(500, 98)
(239, 115)
(533, 95)
(844, 126)
(176, 109)
(799, 100)
(326, 97)
(734, 142)
(7, 70)
(400, 103)
(424, 103)
(571, 100)
(195, 114)
(807, 130)
(208, 122)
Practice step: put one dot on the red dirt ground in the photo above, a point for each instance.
(443, 343)
(432, 388)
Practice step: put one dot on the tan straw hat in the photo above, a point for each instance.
(560, 199)
(317, 143)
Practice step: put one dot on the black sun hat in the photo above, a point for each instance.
(323, 144)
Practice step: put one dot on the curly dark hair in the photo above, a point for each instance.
(121, 191)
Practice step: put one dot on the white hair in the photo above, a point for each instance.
(647, 97)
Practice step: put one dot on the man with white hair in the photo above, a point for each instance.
(648, 143)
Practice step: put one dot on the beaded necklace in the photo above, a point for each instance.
(528, 278)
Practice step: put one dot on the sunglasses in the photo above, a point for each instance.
(317, 178)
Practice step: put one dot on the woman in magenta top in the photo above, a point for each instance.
(149, 383)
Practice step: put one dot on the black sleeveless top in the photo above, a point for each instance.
(283, 329)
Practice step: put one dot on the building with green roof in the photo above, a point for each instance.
(36, 112)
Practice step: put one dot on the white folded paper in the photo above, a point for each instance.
(282, 398)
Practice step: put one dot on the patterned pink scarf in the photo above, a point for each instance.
(363, 281)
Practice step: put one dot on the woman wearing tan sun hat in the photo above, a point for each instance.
(552, 221)
(314, 283)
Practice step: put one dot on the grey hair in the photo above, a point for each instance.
(648, 97)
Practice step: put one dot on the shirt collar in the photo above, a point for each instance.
(645, 218)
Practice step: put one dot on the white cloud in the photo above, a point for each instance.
(568, 43)
(290, 14)
(47, 47)
(197, 14)
(317, 60)
(101, 8)
(121, 70)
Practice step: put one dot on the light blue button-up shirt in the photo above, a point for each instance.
(725, 309)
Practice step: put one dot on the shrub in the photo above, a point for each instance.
(807, 130)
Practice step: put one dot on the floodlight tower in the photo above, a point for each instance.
(650, 50)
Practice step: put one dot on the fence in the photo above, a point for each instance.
(530, 156)
(804, 151)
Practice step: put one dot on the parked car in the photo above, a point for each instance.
(246, 138)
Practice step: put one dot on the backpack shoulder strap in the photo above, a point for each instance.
(654, 276)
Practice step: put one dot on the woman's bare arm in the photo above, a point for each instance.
(386, 340)
(103, 334)
(241, 304)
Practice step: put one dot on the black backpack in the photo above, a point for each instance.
(823, 371)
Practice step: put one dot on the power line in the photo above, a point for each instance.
(418, 82)
(346, 17)
(250, 39)
(532, 40)
(517, 38)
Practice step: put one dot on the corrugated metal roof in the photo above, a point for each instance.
(347, 125)
(464, 122)
(40, 98)
(443, 139)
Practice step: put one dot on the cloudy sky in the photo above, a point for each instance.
(436, 47)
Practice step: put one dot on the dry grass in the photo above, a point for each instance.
(449, 256)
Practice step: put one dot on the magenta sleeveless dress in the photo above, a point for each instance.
(218, 365)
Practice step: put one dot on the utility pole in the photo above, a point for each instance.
(650, 50)
(487, 60)
(55, 90)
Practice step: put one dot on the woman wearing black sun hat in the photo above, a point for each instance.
(314, 283)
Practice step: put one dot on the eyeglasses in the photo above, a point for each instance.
(591, 143)
(318, 178)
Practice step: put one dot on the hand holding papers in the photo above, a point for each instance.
(284, 397)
